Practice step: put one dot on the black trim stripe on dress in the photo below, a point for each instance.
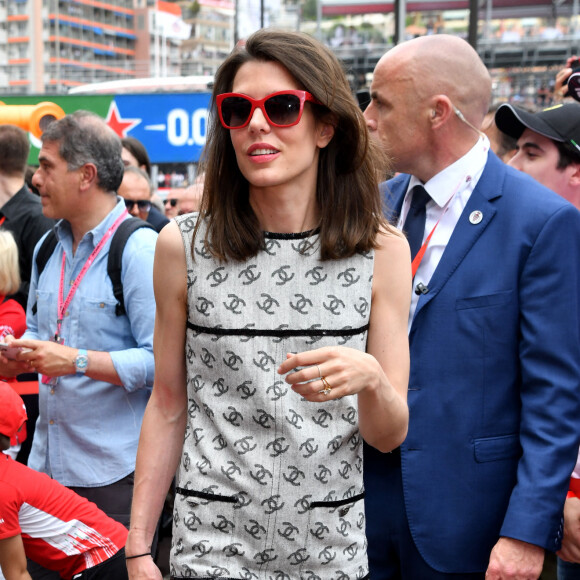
(337, 502)
(204, 495)
(296, 236)
(277, 332)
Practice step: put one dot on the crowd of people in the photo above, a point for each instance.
(338, 375)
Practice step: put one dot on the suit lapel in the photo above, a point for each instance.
(467, 233)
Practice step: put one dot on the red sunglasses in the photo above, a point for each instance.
(281, 109)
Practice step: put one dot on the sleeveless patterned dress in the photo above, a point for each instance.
(269, 486)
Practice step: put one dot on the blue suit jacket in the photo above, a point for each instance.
(494, 390)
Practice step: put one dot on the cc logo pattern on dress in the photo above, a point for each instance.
(269, 482)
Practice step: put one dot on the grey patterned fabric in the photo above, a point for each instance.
(269, 485)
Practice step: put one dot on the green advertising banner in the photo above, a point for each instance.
(171, 126)
(69, 104)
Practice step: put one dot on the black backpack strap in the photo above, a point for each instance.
(115, 261)
(44, 253)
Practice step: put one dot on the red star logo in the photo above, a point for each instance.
(121, 125)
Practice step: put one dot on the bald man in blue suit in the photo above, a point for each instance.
(477, 488)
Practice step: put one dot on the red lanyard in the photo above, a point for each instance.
(64, 304)
(2, 219)
(419, 255)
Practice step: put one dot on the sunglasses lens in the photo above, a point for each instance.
(235, 111)
(142, 204)
(283, 109)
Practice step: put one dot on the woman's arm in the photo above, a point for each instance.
(163, 428)
(383, 411)
(380, 375)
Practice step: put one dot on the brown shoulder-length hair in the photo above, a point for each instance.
(347, 183)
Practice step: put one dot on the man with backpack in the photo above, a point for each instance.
(90, 344)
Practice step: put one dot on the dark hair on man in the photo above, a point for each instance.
(84, 137)
(137, 149)
(567, 154)
(347, 187)
(141, 173)
(506, 144)
(14, 149)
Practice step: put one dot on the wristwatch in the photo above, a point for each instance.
(81, 361)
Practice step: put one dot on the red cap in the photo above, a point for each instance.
(12, 410)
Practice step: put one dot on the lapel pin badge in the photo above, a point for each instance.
(475, 217)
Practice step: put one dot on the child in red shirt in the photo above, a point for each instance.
(47, 522)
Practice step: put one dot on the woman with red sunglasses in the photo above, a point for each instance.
(281, 333)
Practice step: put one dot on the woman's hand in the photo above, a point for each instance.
(331, 372)
(143, 568)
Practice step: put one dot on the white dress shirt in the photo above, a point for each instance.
(450, 191)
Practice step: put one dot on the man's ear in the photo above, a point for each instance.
(441, 110)
(88, 175)
(575, 175)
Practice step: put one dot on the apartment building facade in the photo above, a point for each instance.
(48, 46)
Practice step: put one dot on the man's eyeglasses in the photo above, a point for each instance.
(142, 204)
(172, 202)
(281, 109)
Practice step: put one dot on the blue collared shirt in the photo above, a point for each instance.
(87, 430)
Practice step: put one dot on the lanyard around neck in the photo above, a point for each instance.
(465, 181)
(419, 255)
(63, 303)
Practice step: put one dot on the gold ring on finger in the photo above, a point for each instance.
(327, 387)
